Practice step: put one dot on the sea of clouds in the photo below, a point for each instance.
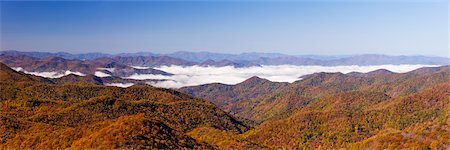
(197, 75)
(123, 85)
(52, 74)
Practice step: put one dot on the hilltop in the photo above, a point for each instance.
(355, 110)
(378, 109)
(42, 115)
(185, 58)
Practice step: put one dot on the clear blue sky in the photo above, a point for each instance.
(291, 27)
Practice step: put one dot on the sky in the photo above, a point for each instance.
(326, 27)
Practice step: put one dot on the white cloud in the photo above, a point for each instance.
(52, 74)
(147, 76)
(139, 67)
(123, 85)
(197, 75)
(107, 69)
(75, 73)
(17, 68)
(101, 74)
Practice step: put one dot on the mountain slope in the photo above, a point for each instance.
(58, 65)
(58, 54)
(9, 75)
(281, 59)
(268, 102)
(225, 96)
(431, 134)
(52, 116)
(331, 122)
(353, 120)
(151, 61)
(184, 58)
(315, 86)
(375, 110)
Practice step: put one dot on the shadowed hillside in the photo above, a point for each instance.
(375, 110)
(52, 116)
(337, 120)
(258, 99)
(106, 66)
(225, 96)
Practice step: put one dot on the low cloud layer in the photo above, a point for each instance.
(197, 75)
(123, 85)
(139, 67)
(52, 74)
(101, 74)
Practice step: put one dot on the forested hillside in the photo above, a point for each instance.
(42, 115)
(224, 74)
(225, 96)
(375, 110)
(379, 109)
(104, 66)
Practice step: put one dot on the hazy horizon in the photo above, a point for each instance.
(288, 27)
(213, 52)
(225, 74)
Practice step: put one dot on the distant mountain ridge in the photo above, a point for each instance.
(8, 74)
(251, 59)
(100, 67)
(270, 99)
(64, 55)
(374, 110)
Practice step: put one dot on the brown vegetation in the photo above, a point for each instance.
(378, 110)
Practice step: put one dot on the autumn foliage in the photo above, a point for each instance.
(378, 110)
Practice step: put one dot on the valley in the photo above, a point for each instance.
(225, 75)
(376, 110)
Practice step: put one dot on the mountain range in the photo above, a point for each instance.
(373, 110)
(44, 115)
(260, 99)
(103, 66)
(241, 60)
